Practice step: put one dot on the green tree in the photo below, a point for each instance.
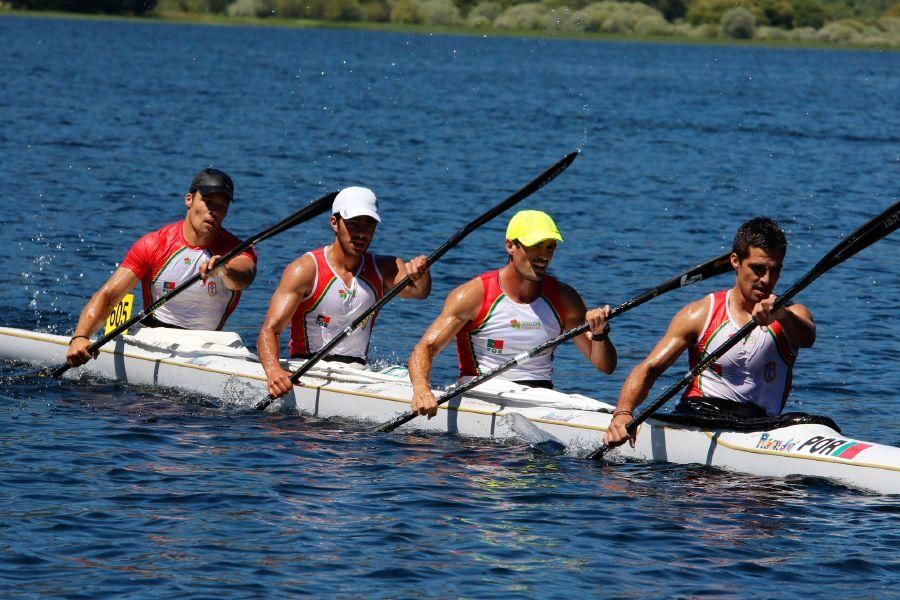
(738, 23)
(809, 13)
(342, 10)
(439, 12)
(405, 11)
(132, 7)
(522, 16)
(483, 14)
(778, 13)
(671, 9)
(711, 11)
(375, 11)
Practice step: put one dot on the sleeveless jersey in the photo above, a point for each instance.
(757, 370)
(162, 259)
(503, 329)
(333, 306)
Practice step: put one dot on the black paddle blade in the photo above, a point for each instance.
(878, 227)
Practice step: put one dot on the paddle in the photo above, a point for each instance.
(862, 238)
(716, 266)
(533, 186)
(304, 214)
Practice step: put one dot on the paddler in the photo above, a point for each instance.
(753, 379)
(162, 259)
(511, 310)
(322, 292)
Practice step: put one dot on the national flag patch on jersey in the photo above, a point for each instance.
(188, 260)
(169, 286)
(342, 294)
(769, 372)
(323, 320)
(495, 346)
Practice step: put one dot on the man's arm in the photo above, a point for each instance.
(96, 311)
(684, 331)
(460, 307)
(296, 283)
(594, 344)
(237, 274)
(394, 270)
(796, 320)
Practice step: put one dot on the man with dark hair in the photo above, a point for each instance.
(322, 292)
(502, 313)
(162, 259)
(753, 379)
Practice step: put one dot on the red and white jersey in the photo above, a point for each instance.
(163, 259)
(757, 370)
(504, 328)
(333, 305)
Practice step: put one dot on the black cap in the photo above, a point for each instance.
(211, 181)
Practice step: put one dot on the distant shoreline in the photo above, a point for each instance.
(277, 22)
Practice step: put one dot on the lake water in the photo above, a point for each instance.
(113, 491)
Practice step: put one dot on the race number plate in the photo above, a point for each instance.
(120, 314)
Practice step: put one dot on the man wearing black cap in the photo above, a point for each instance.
(162, 259)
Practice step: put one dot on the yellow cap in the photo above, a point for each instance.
(531, 227)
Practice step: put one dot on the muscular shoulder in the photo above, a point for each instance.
(151, 250)
(465, 300)
(689, 321)
(300, 274)
(160, 238)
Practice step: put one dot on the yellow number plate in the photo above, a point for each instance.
(121, 313)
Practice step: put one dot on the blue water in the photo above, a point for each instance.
(112, 491)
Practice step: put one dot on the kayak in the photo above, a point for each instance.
(218, 364)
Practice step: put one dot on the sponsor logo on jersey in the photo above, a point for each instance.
(516, 324)
(769, 372)
(495, 346)
(211, 288)
(323, 320)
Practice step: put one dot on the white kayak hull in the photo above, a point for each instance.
(340, 391)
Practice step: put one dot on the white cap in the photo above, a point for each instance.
(356, 202)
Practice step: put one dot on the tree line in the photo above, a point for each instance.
(846, 21)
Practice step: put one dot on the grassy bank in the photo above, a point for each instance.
(274, 21)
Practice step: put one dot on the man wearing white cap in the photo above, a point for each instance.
(324, 291)
(502, 313)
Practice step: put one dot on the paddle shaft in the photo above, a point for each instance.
(304, 214)
(533, 186)
(716, 266)
(862, 238)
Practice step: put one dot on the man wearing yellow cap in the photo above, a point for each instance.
(511, 310)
